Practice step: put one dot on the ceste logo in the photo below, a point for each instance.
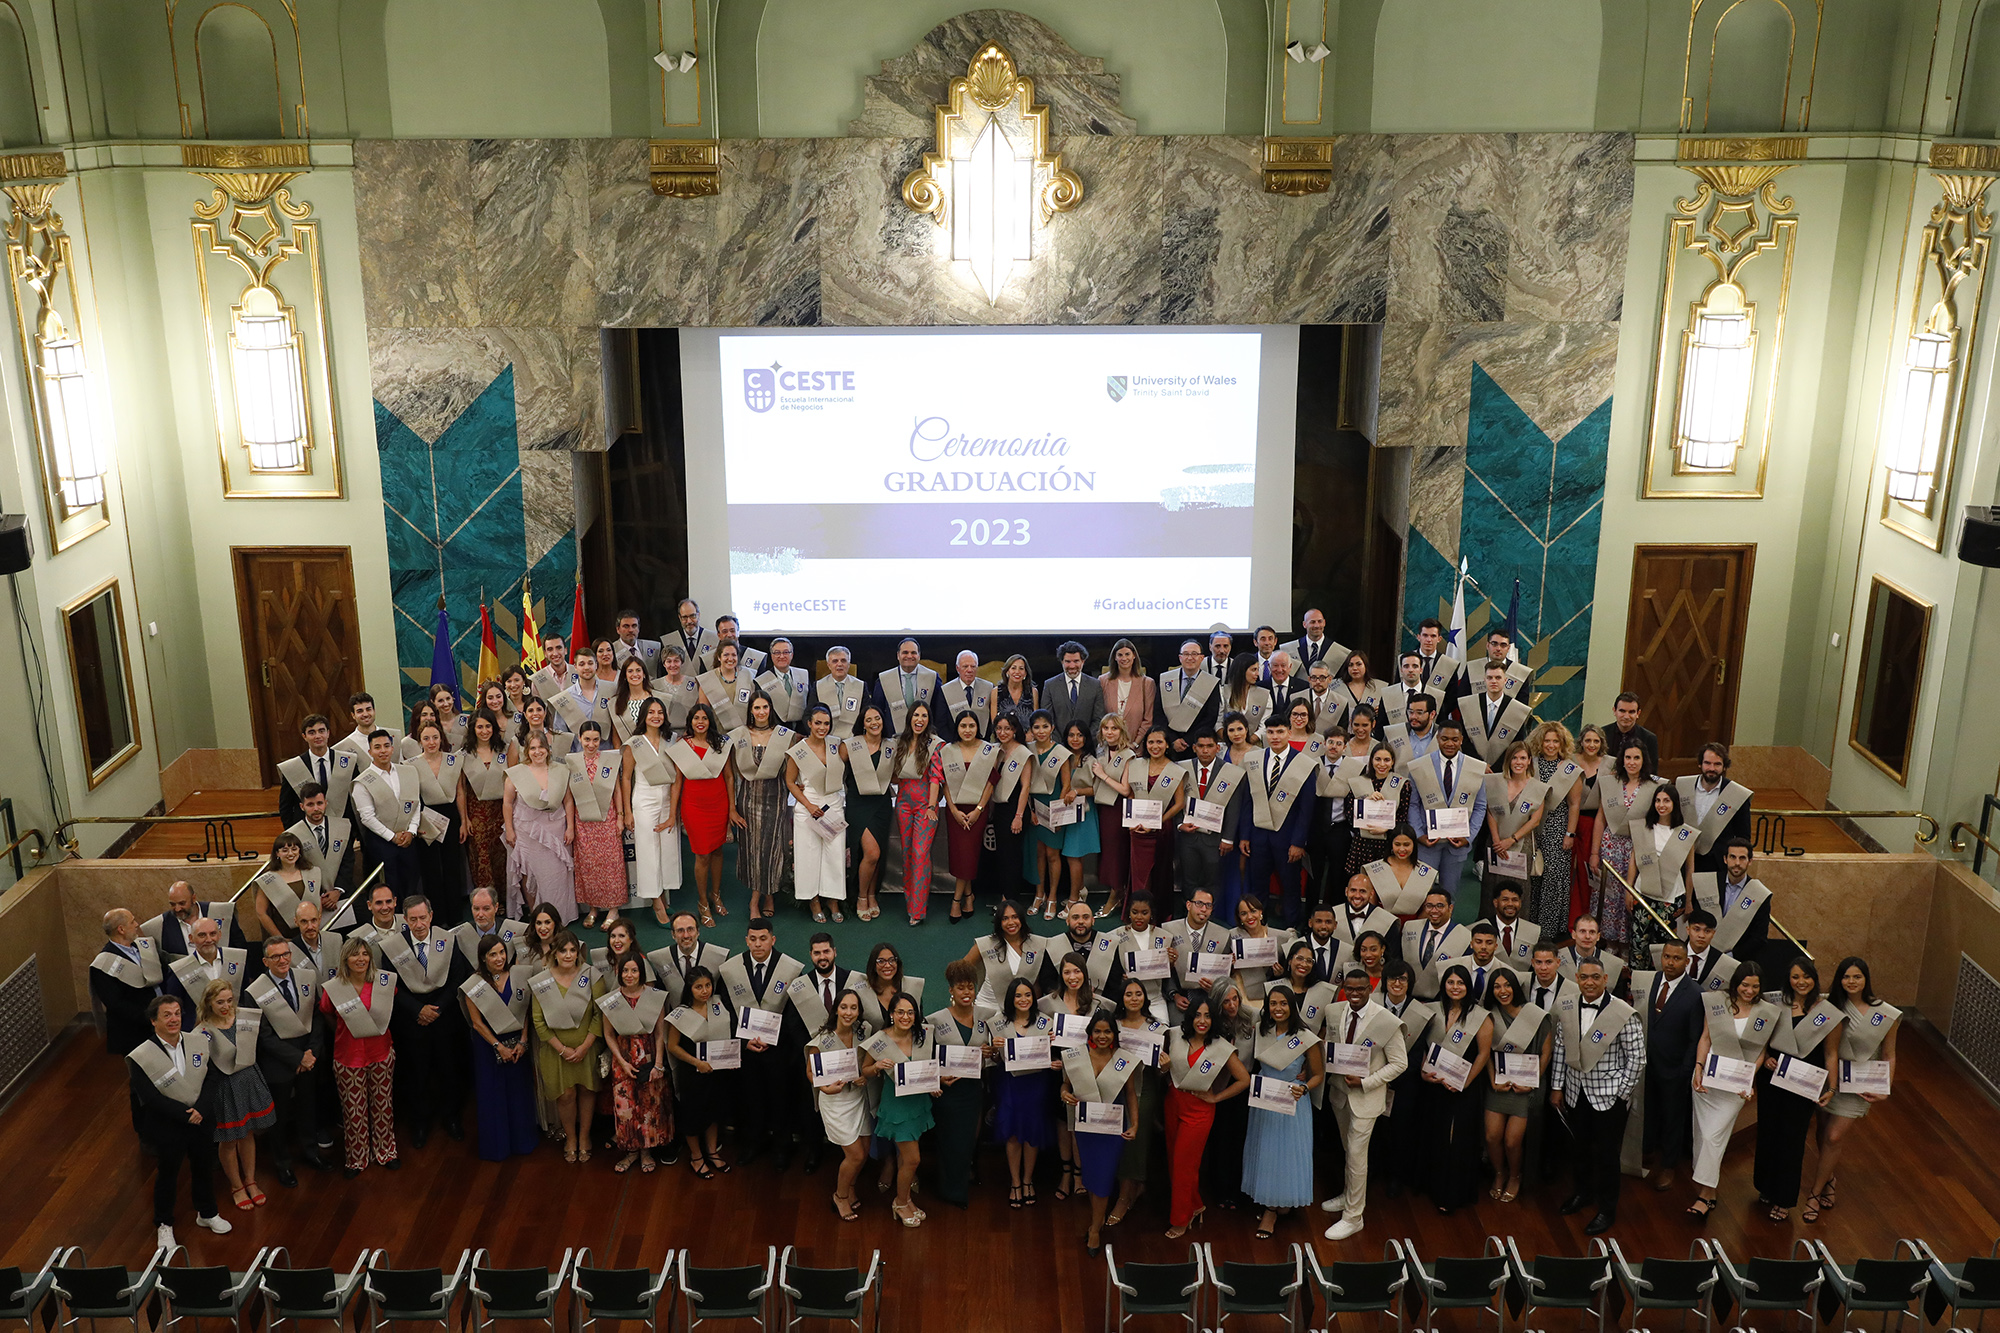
(760, 390)
(761, 386)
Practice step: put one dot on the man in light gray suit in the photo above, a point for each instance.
(1073, 696)
(629, 644)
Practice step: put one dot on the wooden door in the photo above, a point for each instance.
(301, 642)
(1684, 645)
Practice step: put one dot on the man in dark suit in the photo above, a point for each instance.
(1719, 808)
(291, 1044)
(428, 1025)
(1071, 695)
(1472, 679)
(1625, 727)
(1190, 700)
(1284, 685)
(1266, 641)
(1673, 1015)
(1281, 782)
(124, 977)
(174, 1112)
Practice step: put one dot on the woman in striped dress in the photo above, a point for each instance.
(919, 775)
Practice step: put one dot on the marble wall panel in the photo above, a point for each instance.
(427, 377)
(1426, 378)
(651, 255)
(1105, 264)
(878, 259)
(766, 247)
(414, 198)
(548, 504)
(1451, 204)
(1081, 97)
(531, 222)
(1572, 202)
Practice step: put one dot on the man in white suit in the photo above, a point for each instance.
(1357, 1099)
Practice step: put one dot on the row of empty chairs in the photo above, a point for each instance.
(1708, 1288)
(778, 1293)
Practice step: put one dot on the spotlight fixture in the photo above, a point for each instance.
(1301, 53)
(675, 64)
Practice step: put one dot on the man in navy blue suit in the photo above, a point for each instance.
(1281, 784)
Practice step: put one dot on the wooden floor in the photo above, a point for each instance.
(1920, 1165)
(179, 840)
(1813, 835)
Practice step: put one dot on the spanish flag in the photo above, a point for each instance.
(489, 655)
(531, 633)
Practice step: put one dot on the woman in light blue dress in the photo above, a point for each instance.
(1081, 838)
(1278, 1149)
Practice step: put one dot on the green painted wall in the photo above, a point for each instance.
(1536, 65)
(497, 69)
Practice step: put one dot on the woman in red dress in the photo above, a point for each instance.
(702, 802)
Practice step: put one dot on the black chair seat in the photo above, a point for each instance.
(11, 1306)
(616, 1293)
(1159, 1286)
(408, 1293)
(515, 1293)
(303, 1293)
(1363, 1286)
(96, 1293)
(823, 1292)
(1460, 1282)
(1259, 1287)
(200, 1293)
(726, 1293)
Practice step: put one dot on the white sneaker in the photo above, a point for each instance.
(217, 1224)
(1337, 1204)
(1345, 1227)
(164, 1238)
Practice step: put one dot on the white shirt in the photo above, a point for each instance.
(364, 805)
(1124, 691)
(208, 969)
(178, 1055)
(321, 765)
(1667, 988)
(1705, 798)
(1662, 834)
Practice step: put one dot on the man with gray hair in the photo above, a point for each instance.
(487, 919)
(124, 976)
(965, 692)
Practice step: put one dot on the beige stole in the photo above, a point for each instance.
(371, 1019)
(530, 791)
(593, 790)
(158, 1066)
(699, 767)
(648, 764)
(286, 1021)
(821, 778)
(1114, 767)
(633, 1020)
(145, 972)
(965, 782)
(871, 775)
(773, 763)
(486, 777)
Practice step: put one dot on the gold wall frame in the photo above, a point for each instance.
(280, 18)
(1879, 589)
(1949, 295)
(1318, 68)
(991, 88)
(701, 72)
(42, 276)
(96, 774)
(252, 233)
(1734, 217)
(1705, 19)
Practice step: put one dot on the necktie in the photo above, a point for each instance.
(1430, 943)
(1507, 940)
(1072, 691)
(1272, 768)
(760, 978)
(291, 996)
(687, 963)
(1448, 766)
(322, 838)
(1541, 997)
(322, 772)
(1204, 782)
(1353, 1022)
(1325, 965)
(1660, 1002)
(826, 991)
(1478, 981)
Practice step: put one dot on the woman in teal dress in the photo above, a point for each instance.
(902, 1119)
(1048, 782)
(1081, 838)
(1278, 1149)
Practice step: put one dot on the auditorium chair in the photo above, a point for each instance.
(829, 1293)
(727, 1293)
(1686, 1285)
(1462, 1284)
(1781, 1286)
(109, 1291)
(412, 1295)
(619, 1293)
(1259, 1289)
(526, 1294)
(1152, 1289)
(1561, 1282)
(1892, 1287)
(1971, 1287)
(208, 1293)
(292, 1294)
(22, 1293)
(1364, 1287)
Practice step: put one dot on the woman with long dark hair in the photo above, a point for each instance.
(870, 758)
(1738, 1023)
(1277, 1150)
(1097, 1075)
(702, 799)
(1022, 1119)
(1868, 1035)
(919, 776)
(1451, 1118)
(1808, 1033)
(763, 826)
(1203, 1070)
(1009, 818)
(481, 819)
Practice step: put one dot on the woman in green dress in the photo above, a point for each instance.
(901, 1118)
(869, 812)
(568, 1024)
(1142, 1035)
(962, 1102)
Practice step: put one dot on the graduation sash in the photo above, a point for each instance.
(1867, 1028)
(1224, 778)
(562, 1009)
(1361, 787)
(1114, 767)
(140, 975)
(529, 790)
(667, 961)
(1011, 763)
(340, 765)
(787, 705)
(821, 778)
(1275, 1050)
(1425, 775)
(424, 967)
(872, 773)
(510, 931)
(1147, 787)
(1733, 797)
(891, 682)
(735, 975)
(1047, 777)
(158, 1066)
(286, 1021)
(775, 751)
(236, 1049)
(222, 914)
(1183, 710)
(1401, 899)
(1519, 1038)
(1561, 780)
(918, 761)
(396, 813)
(629, 1019)
(1214, 940)
(1444, 671)
(806, 998)
(944, 1028)
(1506, 730)
(1629, 820)
(625, 721)
(883, 1050)
(993, 951)
(1526, 936)
(976, 700)
(486, 777)
(1336, 774)
(1721, 1024)
(283, 898)
(1659, 876)
(1459, 1037)
(871, 1003)
(843, 699)
(1505, 817)
(1271, 805)
(965, 781)
(1098, 1085)
(678, 698)
(711, 1024)
(1743, 906)
(1379, 919)
(1582, 1050)
(699, 767)
(1256, 707)
(441, 787)
(1614, 966)
(593, 788)
(1207, 1065)
(1802, 1038)
(233, 971)
(649, 766)
(729, 700)
(364, 1020)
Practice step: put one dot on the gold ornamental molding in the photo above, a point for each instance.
(32, 166)
(1763, 148)
(1978, 158)
(245, 157)
(991, 91)
(685, 168)
(1298, 167)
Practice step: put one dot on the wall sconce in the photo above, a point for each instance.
(270, 382)
(1301, 53)
(1718, 357)
(71, 437)
(675, 64)
(1920, 438)
(992, 177)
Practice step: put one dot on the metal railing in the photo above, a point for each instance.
(1770, 835)
(15, 838)
(1646, 903)
(218, 839)
(1987, 805)
(367, 883)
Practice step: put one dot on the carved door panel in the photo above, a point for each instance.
(1684, 645)
(301, 642)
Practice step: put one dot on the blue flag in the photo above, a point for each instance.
(1514, 614)
(444, 671)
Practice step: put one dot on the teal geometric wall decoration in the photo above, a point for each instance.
(1531, 510)
(456, 528)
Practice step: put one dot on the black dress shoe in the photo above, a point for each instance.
(1600, 1224)
(454, 1131)
(287, 1179)
(670, 1155)
(420, 1136)
(1573, 1204)
(396, 1165)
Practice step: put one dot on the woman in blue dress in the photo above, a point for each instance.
(1021, 1120)
(1096, 1076)
(1278, 1149)
(1081, 838)
(503, 1067)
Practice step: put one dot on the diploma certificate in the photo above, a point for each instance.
(962, 1061)
(1205, 815)
(828, 1067)
(754, 1024)
(1147, 964)
(1262, 952)
(722, 1054)
(1144, 815)
(1099, 1118)
(1726, 1075)
(1520, 1071)
(1866, 1077)
(1348, 1061)
(1452, 1069)
(1273, 1094)
(1799, 1076)
(917, 1076)
(1026, 1055)
(1452, 821)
